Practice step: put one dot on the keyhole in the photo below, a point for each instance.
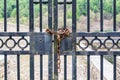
(40, 40)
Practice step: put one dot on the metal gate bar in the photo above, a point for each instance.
(114, 15)
(88, 30)
(50, 56)
(18, 56)
(101, 29)
(5, 29)
(74, 76)
(55, 38)
(65, 56)
(31, 29)
(114, 29)
(41, 57)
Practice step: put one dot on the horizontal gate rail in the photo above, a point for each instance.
(46, 2)
(101, 34)
(27, 37)
(110, 53)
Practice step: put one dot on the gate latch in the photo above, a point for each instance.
(61, 34)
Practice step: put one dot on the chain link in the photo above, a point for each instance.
(58, 53)
(61, 34)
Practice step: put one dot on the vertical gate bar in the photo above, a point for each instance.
(88, 15)
(31, 16)
(101, 29)
(55, 15)
(101, 67)
(88, 30)
(17, 14)
(114, 15)
(74, 76)
(65, 56)
(5, 15)
(101, 15)
(88, 67)
(5, 29)
(114, 67)
(50, 62)
(31, 66)
(18, 67)
(41, 57)
(41, 67)
(31, 29)
(65, 67)
(5, 67)
(74, 16)
(65, 13)
(55, 39)
(18, 56)
(40, 15)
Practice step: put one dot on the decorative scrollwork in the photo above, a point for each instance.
(83, 43)
(1, 43)
(118, 43)
(10, 43)
(99, 43)
(13, 43)
(96, 43)
(109, 43)
(20, 43)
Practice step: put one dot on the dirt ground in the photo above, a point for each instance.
(25, 69)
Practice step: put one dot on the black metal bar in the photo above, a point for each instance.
(73, 16)
(55, 15)
(65, 13)
(41, 57)
(50, 57)
(5, 67)
(5, 29)
(60, 3)
(55, 39)
(18, 67)
(95, 53)
(17, 13)
(63, 53)
(40, 15)
(74, 76)
(31, 29)
(88, 15)
(65, 67)
(45, 2)
(114, 15)
(21, 33)
(66, 2)
(88, 67)
(78, 34)
(65, 57)
(101, 15)
(31, 66)
(50, 14)
(18, 56)
(5, 15)
(31, 16)
(111, 34)
(114, 67)
(101, 67)
(41, 67)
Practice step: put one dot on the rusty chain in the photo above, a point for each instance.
(61, 34)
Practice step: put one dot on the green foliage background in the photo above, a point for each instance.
(81, 8)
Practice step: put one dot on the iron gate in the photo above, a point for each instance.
(40, 43)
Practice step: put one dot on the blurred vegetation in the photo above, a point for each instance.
(81, 9)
